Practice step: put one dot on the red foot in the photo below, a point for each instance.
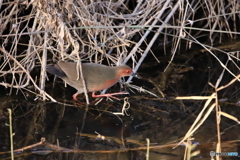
(108, 95)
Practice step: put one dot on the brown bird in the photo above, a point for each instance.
(97, 76)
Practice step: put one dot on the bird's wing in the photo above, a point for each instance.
(69, 68)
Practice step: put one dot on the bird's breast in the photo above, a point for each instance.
(103, 85)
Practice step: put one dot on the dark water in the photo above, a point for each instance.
(74, 130)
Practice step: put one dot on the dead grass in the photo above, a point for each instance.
(35, 33)
(102, 31)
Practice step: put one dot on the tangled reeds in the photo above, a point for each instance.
(33, 33)
(38, 32)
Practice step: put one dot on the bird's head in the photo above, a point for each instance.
(124, 71)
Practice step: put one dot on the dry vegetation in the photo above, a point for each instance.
(38, 32)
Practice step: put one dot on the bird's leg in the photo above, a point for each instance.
(108, 95)
(75, 96)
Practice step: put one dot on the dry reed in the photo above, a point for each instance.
(35, 33)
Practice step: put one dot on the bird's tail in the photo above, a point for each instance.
(56, 70)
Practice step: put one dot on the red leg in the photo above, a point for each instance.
(75, 96)
(108, 95)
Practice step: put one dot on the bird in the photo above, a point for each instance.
(97, 77)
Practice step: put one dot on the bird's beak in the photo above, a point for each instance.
(135, 75)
